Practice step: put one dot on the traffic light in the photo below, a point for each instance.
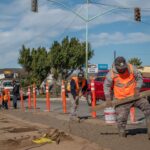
(137, 14)
(34, 5)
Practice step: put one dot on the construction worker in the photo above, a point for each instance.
(5, 98)
(15, 93)
(76, 88)
(126, 81)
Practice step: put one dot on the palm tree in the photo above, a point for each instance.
(135, 61)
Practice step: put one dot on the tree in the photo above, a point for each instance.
(40, 64)
(25, 59)
(68, 55)
(62, 59)
(36, 63)
(135, 61)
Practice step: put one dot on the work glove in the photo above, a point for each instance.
(80, 94)
(137, 92)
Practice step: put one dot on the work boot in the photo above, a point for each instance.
(148, 126)
(122, 133)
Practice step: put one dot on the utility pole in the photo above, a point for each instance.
(86, 52)
(114, 55)
(85, 19)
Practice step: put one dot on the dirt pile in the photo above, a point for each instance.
(57, 136)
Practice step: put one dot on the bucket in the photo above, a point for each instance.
(110, 115)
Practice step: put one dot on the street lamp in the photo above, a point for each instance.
(86, 20)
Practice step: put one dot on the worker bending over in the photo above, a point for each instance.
(126, 81)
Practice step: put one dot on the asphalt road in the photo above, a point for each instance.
(56, 106)
(83, 109)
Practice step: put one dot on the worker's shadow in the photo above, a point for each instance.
(136, 131)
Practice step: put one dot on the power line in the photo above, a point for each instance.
(66, 29)
(54, 26)
(110, 5)
(132, 19)
(119, 6)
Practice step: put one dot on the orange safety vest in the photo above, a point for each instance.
(77, 84)
(124, 84)
(5, 95)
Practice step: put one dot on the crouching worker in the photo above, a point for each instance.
(77, 87)
(5, 99)
(126, 81)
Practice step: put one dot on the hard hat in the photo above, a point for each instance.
(120, 63)
(80, 75)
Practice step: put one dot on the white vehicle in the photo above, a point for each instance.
(6, 84)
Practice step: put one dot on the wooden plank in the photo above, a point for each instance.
(116, 102)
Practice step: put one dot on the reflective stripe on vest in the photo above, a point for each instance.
(124, 84)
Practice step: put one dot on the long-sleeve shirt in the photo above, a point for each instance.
(73, 87)
(108, 83)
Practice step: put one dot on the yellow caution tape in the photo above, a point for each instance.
(42, 140)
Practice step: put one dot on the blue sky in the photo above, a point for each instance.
(114, 31)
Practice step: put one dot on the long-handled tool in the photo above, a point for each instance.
(116, 102)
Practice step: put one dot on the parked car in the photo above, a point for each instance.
(7, 84)
(99, 92)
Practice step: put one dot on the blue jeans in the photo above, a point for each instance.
(15, 101)
(74, 104)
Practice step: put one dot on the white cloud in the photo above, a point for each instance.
(19, 25)
(118, 38)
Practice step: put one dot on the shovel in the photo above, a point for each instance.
(116, 102)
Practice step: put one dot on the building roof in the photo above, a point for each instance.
(20, 71)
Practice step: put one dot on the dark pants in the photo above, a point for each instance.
(122, 111)
(5, 103)
(15, 101)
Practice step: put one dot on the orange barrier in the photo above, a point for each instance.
(34, 96)
(47, 97)
(29, 97)
(9, 104)
(93, 97)
(132, 114)
(21, 98)
(63, 95)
